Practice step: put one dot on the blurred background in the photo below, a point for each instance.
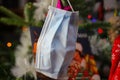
(16, 58)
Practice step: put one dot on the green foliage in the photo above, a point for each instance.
(6, 63)
(13, 19)
(90, 26)
(29, 12)
(84, 7)
(9, 13)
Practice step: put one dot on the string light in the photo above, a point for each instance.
(9, 44)
(94, 20)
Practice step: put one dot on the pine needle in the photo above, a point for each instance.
(10, 21)
(9, 13)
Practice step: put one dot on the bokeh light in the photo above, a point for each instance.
(9, 44)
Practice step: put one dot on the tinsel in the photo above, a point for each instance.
(42, 8)
(23, 56)
(99, 45)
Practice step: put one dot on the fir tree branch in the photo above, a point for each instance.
(104, 25)
(29, 10)
(10, 21)
(9, 13)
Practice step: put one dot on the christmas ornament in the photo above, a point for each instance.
(89, 16)
(100, 30)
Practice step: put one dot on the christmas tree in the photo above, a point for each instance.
(96, 29)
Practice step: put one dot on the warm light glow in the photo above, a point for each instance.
(9, 44)
(24, 28)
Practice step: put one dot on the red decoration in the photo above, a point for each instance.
(100, 12)
(115, 60)
(100, 30)
(89, 16)
(86, 73)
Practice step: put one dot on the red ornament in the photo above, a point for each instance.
(89, 16)
(100, 12)
(86, 73)
(100, 30)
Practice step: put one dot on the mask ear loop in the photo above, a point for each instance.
(70, 6)
(52, 2)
